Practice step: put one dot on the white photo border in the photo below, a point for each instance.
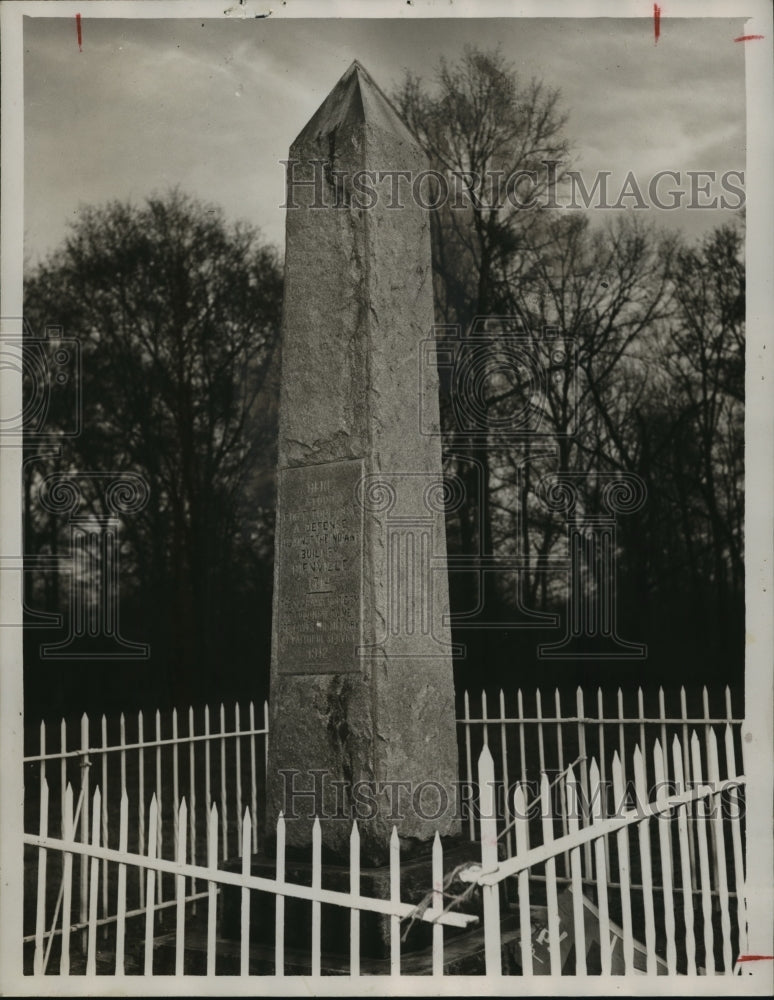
(758, 729)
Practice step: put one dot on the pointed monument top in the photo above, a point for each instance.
(355, 100)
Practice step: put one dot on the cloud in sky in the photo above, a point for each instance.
(213, 106)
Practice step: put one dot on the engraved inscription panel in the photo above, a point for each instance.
(320, 552)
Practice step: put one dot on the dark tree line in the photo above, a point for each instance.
(634, 364)
(177, 314)
(651, 385)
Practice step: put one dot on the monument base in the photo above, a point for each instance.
(463, 951)
(463, 955)
(415, 883)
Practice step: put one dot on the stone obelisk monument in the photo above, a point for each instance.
(362, 703)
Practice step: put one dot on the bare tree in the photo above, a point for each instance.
(177, 313)
(597, 293)
(702, 357)
(490, 135)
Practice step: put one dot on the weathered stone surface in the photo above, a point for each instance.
(320, 574)
(358, 304)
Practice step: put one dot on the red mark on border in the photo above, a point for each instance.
(755, 958)
(748, 38)
(656, 22)
(78, 30)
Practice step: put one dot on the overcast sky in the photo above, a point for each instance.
(213, 105)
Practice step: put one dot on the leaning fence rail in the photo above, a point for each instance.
(670, 930)
(225, 762)
(219, 756)
(682, 931)
(527, 738)
(151, 866)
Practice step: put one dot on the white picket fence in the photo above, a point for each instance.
(151, 866)
(671, 927)
(527, 738)
(700, 942)
(221, 759)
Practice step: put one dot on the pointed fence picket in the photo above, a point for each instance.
(437, 876)
(520, 814)
(123, 837)
(531, 741)
(634, 947)
(579, 927)
(212, 892)
(150, 886)
(67, 883)
(598, 815)
(164, 764)
(316, 884)
(584, 772)
(704, 865)
(395, 900)
(238, 771)
(244, 923)
(159, 803)
(643, 833)
(279, 902)
(541, 741)
(489, 860)
(504, 752)
(175, 783)
(104, 802)
(469, 762)
(40, 910)
(721, 876)
(735, 812)
(207, 785)
(85, 763)
(180, 855)
(665, 848)
(152, 866)
(583, 840)
(91, 954)
(253, 784)
(560, 764)
(624, 864)
(192, 792)
(62, 764)
(354, 888)
(223, 785)
(141, 797)
(552, 903)
(601, 757)
(685, 860)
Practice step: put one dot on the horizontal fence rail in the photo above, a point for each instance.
(682, 934)
(671, 867)
(207, 756)
(151, 867)
(532, 733)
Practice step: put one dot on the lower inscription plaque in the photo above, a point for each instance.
(319, 581)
